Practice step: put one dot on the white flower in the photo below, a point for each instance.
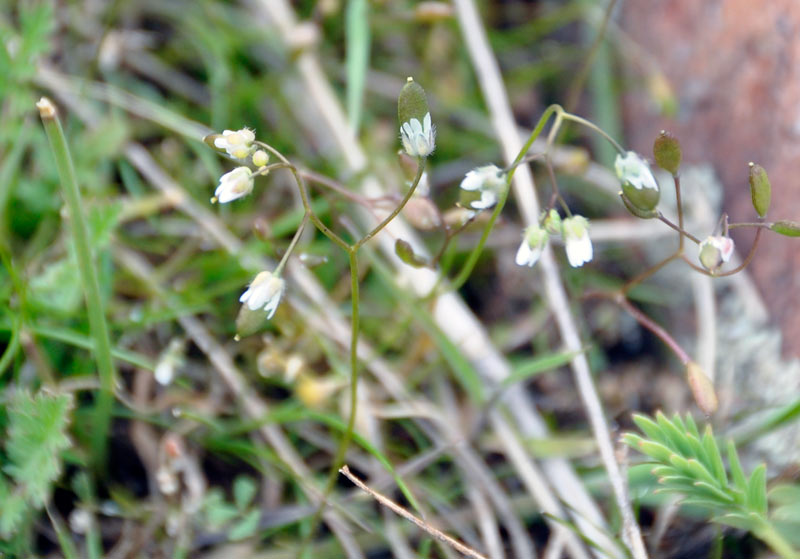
(236, 142)
(169, 362)
(533, 243)
(631, 168)
(714, 251)
(234, 184)
(418, 139)
(264, 292)
(577, 241)
(489, 181)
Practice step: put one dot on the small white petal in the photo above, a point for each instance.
(579, 250)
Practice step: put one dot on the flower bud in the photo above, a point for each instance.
(638, 182)
(786, 227)
(552, 222)
(714, 251)
(760, 189)
(701, 387)
(405, 252)
(260, 158)
(667, 152)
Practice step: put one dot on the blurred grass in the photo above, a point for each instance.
(161, 76)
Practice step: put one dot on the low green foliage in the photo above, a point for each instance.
(690, 464)
(36, 437)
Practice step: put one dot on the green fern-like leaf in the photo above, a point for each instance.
(36, 437)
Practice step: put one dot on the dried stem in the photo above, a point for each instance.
(397, 509)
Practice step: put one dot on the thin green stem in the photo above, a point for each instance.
(88, 273)
(290, 248)
(677, 181)
(301, 185)
(397, 210)
(670, 224)
(592, 126)
(347, 436)
(472, 260)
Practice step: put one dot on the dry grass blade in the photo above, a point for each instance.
(388, 503)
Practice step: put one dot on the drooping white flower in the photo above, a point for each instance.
(533, 243)
(489, 181)
(264, 292)
(714, 251)
(576, 240)
(633, 169)
(238, 143)
(234, 184)
(419, 139)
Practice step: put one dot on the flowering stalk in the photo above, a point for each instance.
(91, 287)
(472, 260)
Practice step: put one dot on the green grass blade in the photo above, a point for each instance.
(88, 274)
(357, 47)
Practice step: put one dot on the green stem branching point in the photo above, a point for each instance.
(88, 273)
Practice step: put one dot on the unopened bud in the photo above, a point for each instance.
(787, 228)
(701, 387)
(260, 158)
(552, 223)
(667, 152)
(422, 214)
(405, 252)
(714, 251)
(760, 189)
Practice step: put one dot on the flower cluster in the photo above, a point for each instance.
(574, 230)
(482, 187)
(237, 143)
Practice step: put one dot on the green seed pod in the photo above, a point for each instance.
(643, 214)
(667, 152)
(760, 189)
(248, 322)
(411, 103)
(638, 183)
(786, 228)
(405, 252)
